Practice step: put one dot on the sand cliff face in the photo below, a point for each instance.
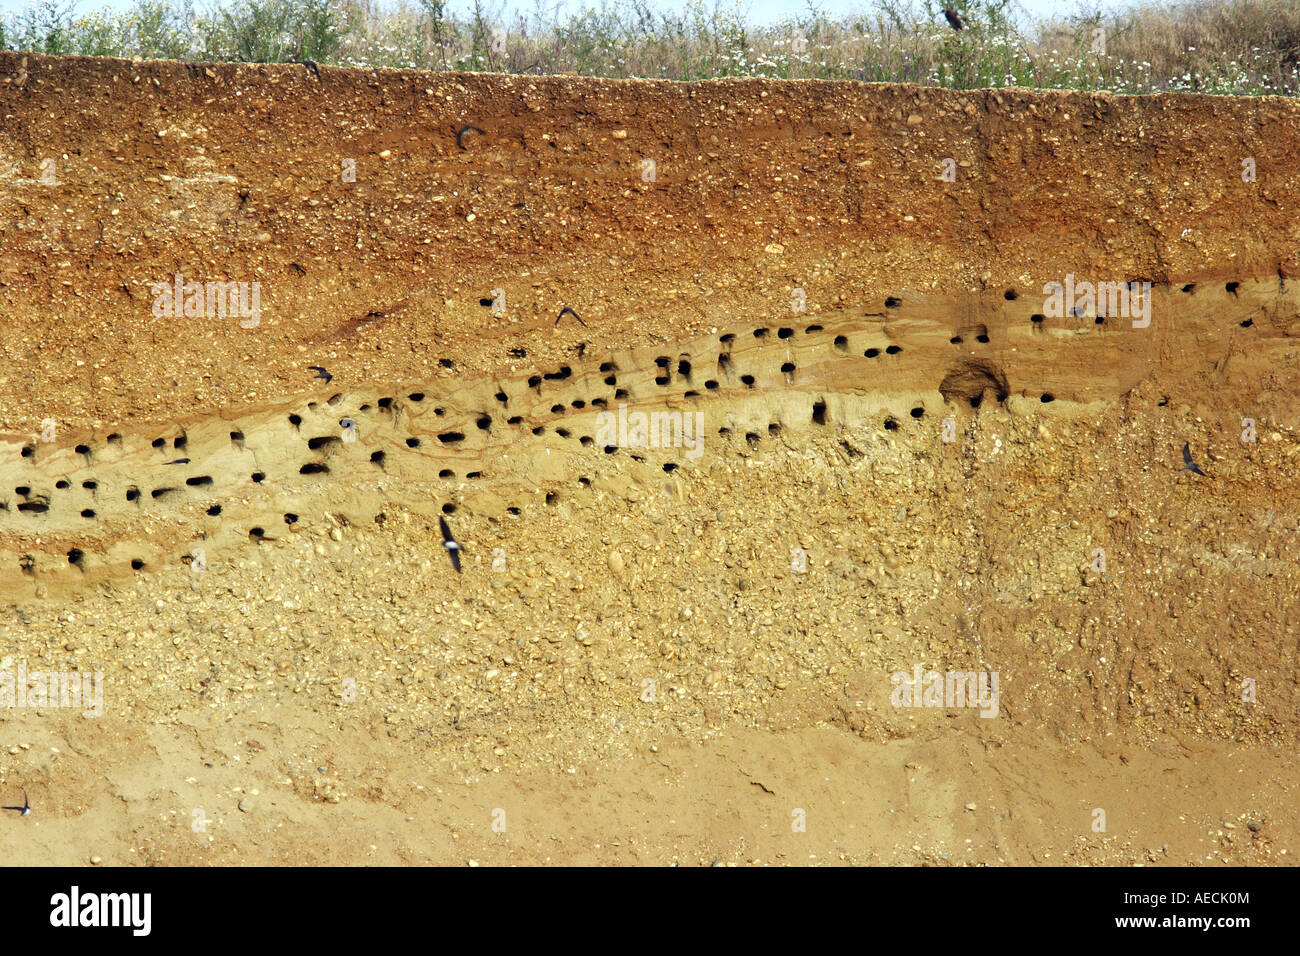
(874, 441)
(649, 207)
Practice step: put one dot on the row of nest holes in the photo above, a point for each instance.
(379, 457)
(76, 556)
(762, 333)
(133, 493)
(565, 372)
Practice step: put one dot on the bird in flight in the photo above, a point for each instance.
(1188, 464)
(451, 544)
(953, 18)
(320, 373)
(568, 311)
(178, 461)
(24, 809)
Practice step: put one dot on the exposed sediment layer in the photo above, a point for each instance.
(230, 172)
(82, 505)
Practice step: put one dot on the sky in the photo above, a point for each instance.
(761, 11)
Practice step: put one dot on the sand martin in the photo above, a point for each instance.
(450, 543)
(1188, 464)
(568, 311)
(25, 809)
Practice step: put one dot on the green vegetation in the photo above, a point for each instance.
(1242, 47)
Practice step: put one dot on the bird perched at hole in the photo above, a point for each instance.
(25, 809)
(1188, 464)
(321, 373)
(568, 311)
(953, 18)
(311, 65)
(453, 547)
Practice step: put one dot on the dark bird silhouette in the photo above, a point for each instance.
(1188, 464)
(311, 65)
(178, 461)
(25, 809)
(453, 547)
(568, 311)
(953, 18)
(466, 129)
(321, 373)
